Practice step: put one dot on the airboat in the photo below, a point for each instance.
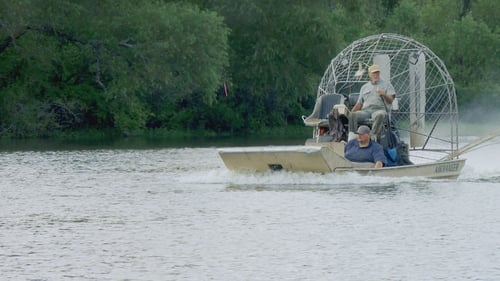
(424, 115)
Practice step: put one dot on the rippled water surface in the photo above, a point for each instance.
(178, 214)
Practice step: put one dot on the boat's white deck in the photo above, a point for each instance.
(294, 148)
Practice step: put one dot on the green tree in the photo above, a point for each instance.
(438, 16)
(368, 16)
(487, 11)
(405, 19)
(279, 50)
(68, 64)
(471, 51)
(99, 60)
(467, 46)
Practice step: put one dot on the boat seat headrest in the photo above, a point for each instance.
(353, 98)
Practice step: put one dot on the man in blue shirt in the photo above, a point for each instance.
(363, 149)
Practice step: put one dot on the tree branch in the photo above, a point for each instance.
(11, 39)
(125, 43)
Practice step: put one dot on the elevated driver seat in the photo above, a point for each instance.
(319, 116)
(353, 99)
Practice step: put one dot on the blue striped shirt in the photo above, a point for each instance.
(372, 153)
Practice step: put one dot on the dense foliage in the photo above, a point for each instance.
(213, 65)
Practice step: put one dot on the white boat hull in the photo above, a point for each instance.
(449, 169)
(326, 159)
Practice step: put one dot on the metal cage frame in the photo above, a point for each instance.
(428, 112)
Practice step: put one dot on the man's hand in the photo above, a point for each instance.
(382, 93)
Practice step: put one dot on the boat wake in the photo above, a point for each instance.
(482, 165)
(299, 181)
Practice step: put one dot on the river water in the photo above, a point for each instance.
(176, 213)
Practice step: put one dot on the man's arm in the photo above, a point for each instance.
(356, 107)
(387, 96)
(378, 155)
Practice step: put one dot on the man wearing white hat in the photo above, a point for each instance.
(375, 98)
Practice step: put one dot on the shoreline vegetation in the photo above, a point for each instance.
(100, 139)
(265, 132)
(148, 138)
(286, 131)
(185, 68)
